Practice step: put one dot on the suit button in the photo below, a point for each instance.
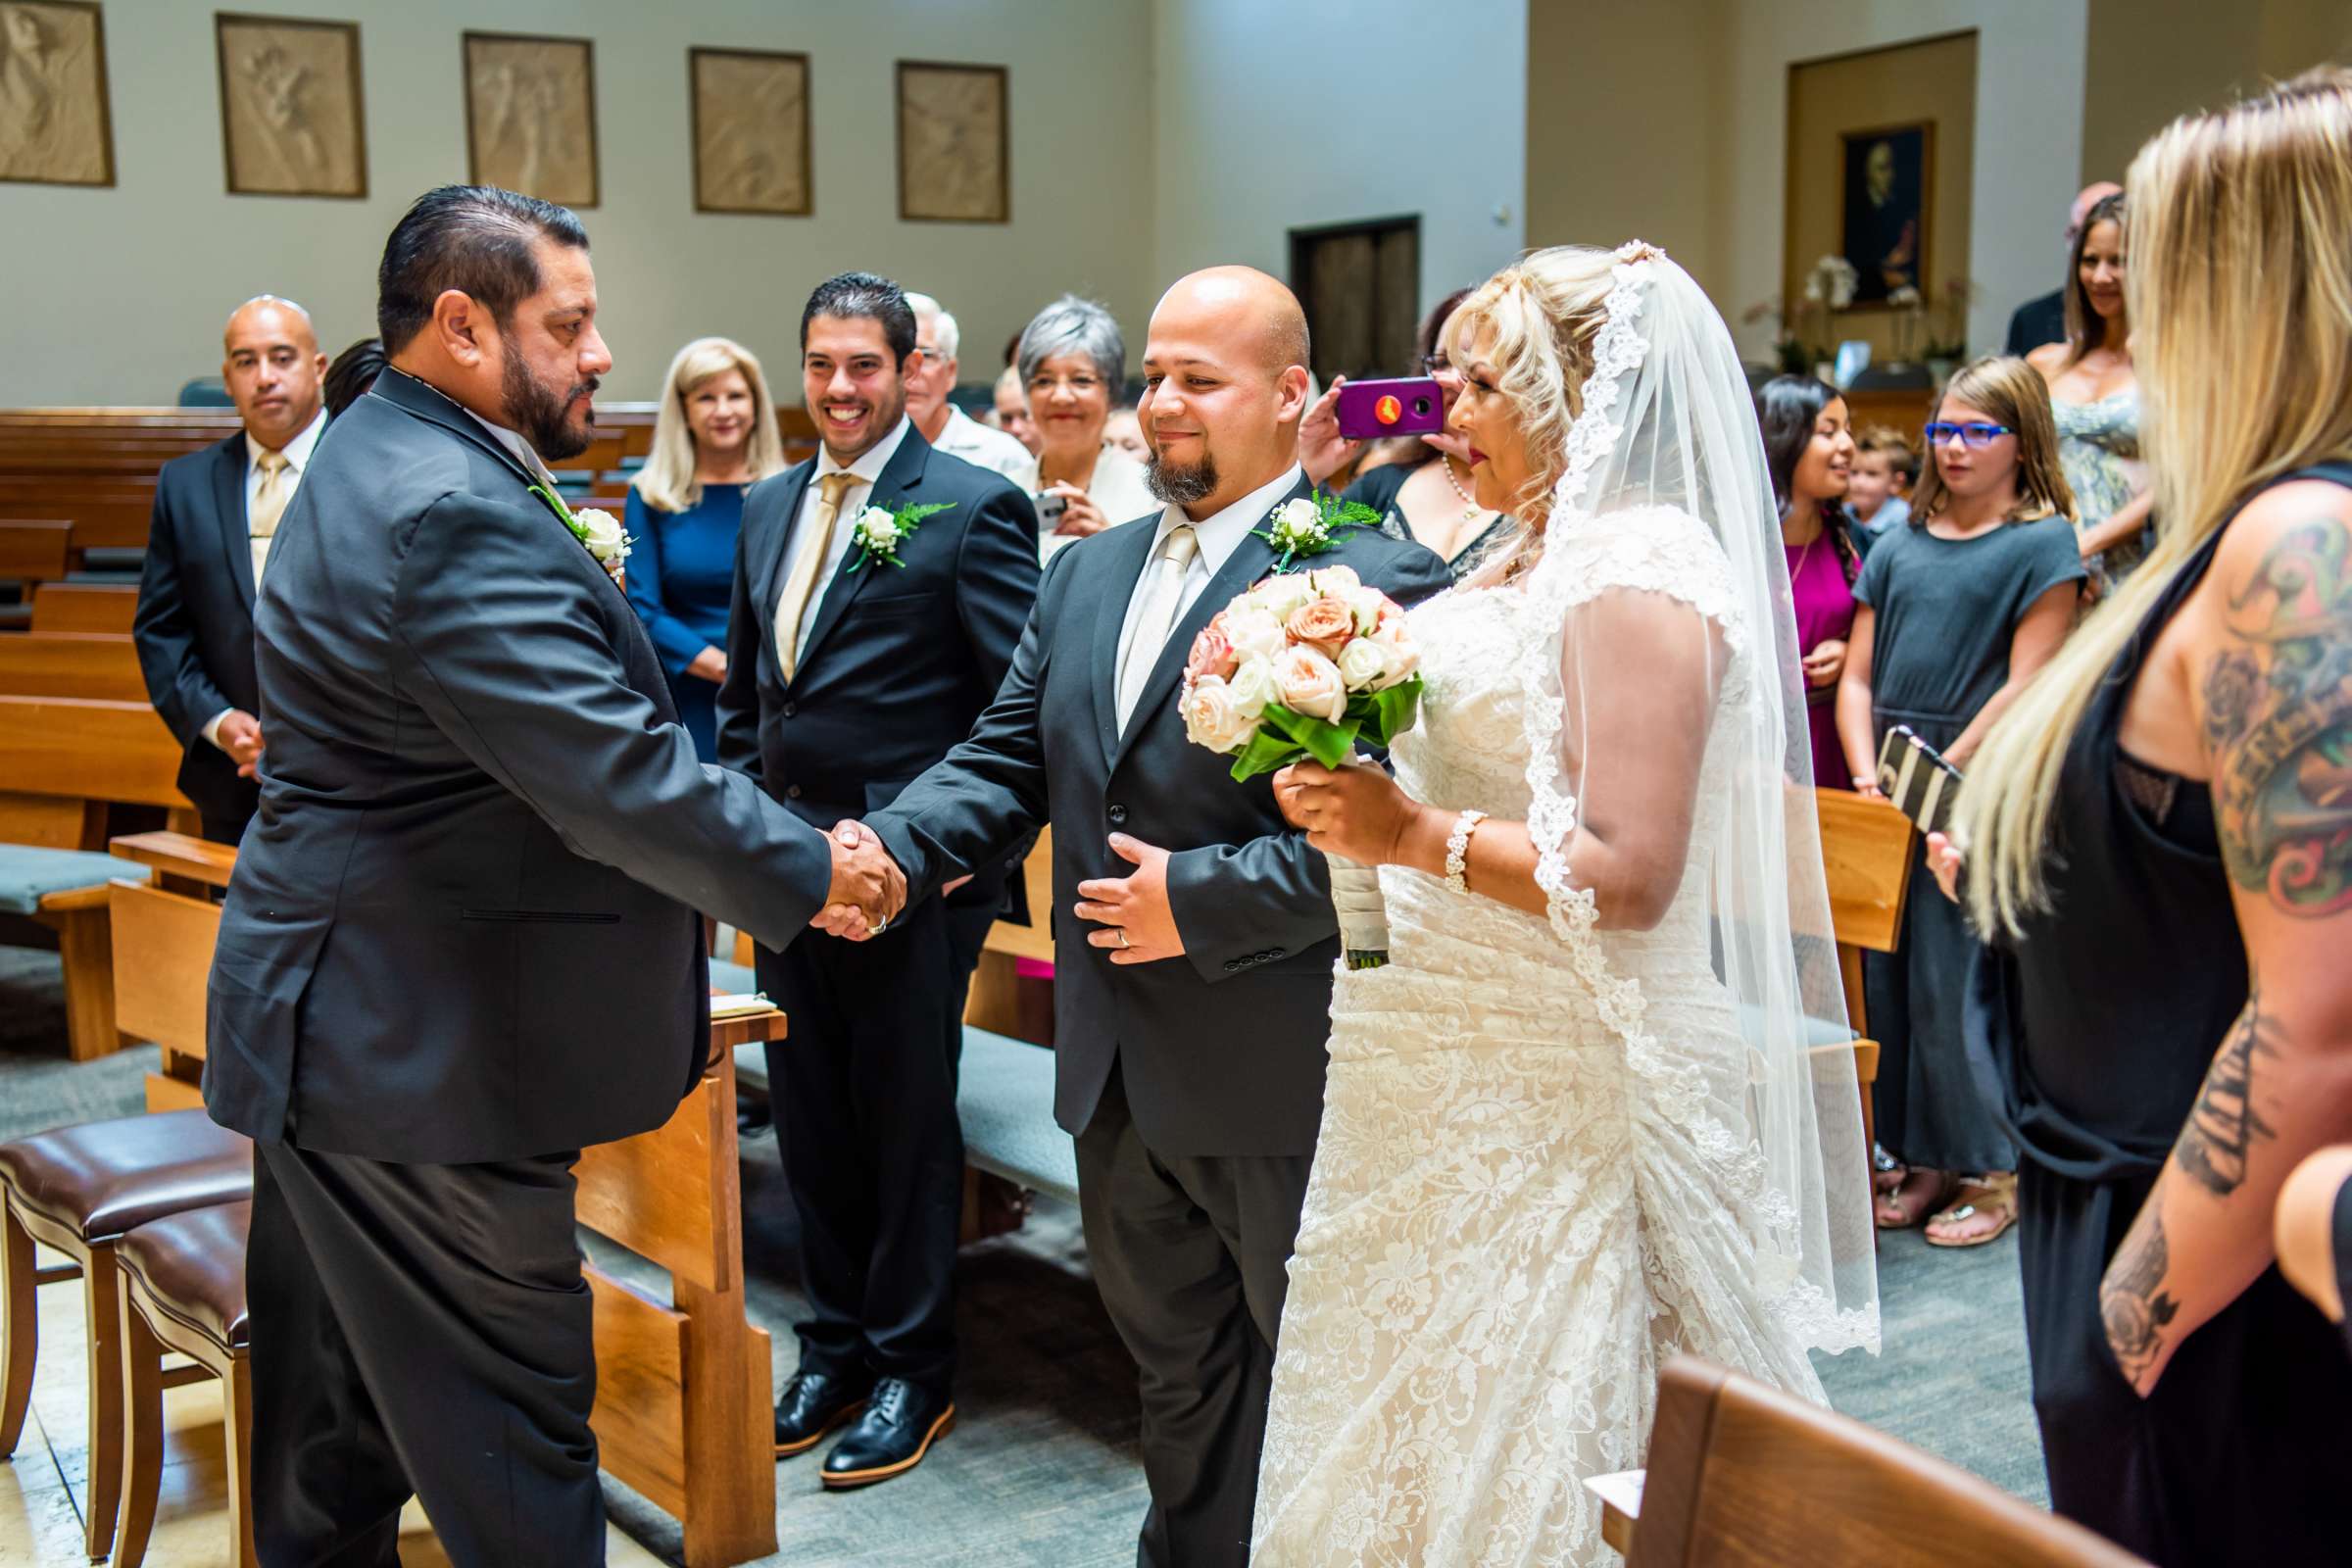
(788, 709)
(1117, 815)
(791, 791)
(1232, 965)
(1276, 953)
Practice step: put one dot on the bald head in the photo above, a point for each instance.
(1259, 310)
(1224, 385)
(2085, 200)
(271, 361)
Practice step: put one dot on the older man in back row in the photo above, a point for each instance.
(208, 543)
(931, 377)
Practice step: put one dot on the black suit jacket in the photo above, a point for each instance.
(898, 662)
(1222, 1050)
(2037, 321)
(194, 625)
(463, 926)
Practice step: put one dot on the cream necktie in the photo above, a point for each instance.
(793, 603)
(1155, 616)
(268, 506)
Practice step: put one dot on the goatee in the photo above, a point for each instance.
(1181, 483)
(539, 417)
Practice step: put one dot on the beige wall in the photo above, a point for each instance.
(117, 296)
(2150, 61)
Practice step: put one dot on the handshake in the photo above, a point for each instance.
(868, 888)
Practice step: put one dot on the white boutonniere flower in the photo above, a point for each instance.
(1308, 525)
(879, 532)
(598, 532)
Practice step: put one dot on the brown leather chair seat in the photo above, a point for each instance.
(191, 1266)
(104, 1178)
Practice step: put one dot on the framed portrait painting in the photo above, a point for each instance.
(55, 128)
(749, 111)
(1885, 198)
(530, 115)
(292, 123)
(955, 144)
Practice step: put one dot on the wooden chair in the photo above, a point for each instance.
(163, 952)
(1743, 1474)
(1866, 857)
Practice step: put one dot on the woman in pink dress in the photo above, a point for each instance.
(1809, 450)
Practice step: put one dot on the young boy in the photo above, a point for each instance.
(1884, 468)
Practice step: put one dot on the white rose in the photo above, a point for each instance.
(1369, 603)
(1363, 664)
(1281, 594)
(1255, 633)
(877, 528)
(1209, 718)
(602, 533)
(1399, 654)
(1299, 515)
(1335, 582)
(1252, 687)
(1310, 684)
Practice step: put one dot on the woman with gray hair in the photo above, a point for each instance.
(1073, 361)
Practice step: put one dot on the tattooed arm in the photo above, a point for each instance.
(2268, 642)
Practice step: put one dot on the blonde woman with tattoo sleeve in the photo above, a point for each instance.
(2159, 844)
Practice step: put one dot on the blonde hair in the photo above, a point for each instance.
(1535, 322)
(2014, 393)
(2240, 295)
(667, 481)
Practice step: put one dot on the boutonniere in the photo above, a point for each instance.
(878, 529)
(600, 532)
(1311, 525)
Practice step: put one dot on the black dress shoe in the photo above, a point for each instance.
(901, 1423)
(814, 1405)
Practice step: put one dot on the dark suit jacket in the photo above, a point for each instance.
(194, 626)
(1222, 1049)
(2037, 321)
(463, 926)
(899, 661)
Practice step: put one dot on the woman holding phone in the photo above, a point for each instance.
(1954, 612)
(1073, 361)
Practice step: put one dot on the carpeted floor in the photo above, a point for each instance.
(1042, 1468)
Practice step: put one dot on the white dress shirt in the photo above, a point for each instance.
(868, 468)
(1220, 535)
(968, 438)
(517, 447)
(297, 454)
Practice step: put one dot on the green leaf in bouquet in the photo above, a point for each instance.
(1268, 752)
(1395, 710)
(1328, 744)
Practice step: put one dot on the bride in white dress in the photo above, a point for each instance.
(1579, 1122)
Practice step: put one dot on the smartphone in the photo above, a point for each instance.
(1370, 410)
(1914, 776)
(1050, 507)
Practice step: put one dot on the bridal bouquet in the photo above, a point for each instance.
(1308, 663)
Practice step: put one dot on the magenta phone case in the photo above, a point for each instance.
(1370, 410)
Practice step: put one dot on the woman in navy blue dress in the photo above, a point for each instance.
(714, 438)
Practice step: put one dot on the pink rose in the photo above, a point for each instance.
(1212, 652)
(1324, 624)
(1403, 655)
(1211, 719)
(1310, 684)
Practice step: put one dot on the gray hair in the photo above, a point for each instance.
(946, 336)
(1072, 326)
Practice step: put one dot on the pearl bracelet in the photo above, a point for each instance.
(1457, 849)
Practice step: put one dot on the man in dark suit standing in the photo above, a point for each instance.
(207, 544)
(1193, 965)
(463, 941)
(2043, 320)
(852, 667)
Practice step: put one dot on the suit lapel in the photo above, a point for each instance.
(899, 478)
(1123, 567)
(228, 507)
(1250, 559)
(775, 546)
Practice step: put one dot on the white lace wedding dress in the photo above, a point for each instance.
(1533, 1181)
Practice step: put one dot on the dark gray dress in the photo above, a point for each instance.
(1378, 490)
(1946, 613)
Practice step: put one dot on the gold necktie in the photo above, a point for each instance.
(1155, 616)
(268, 506)
(800, 586)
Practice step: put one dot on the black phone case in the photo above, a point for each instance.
(1914, 776)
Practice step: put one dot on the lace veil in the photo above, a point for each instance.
(1674, 677)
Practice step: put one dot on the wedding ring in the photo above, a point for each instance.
(1124, 944)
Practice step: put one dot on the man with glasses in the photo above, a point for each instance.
(931, 377)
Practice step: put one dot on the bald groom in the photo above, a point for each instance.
(1194, 939)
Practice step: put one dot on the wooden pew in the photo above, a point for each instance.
(684, 1389)
(85, 607)
(34, 550)
(48, 664)
(1866, 859)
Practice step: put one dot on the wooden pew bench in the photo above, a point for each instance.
(51, 663)
(107, 607)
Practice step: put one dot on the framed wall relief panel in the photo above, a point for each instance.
(55, 128)
(954, 143)
(751, 131)
(530, 115)
(292, 121)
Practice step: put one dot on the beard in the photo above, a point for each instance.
(1181, 483)
(543, 418)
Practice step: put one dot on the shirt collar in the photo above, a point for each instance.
(871, 463)
(296, 452)
(517, 447)
(1221, 533)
